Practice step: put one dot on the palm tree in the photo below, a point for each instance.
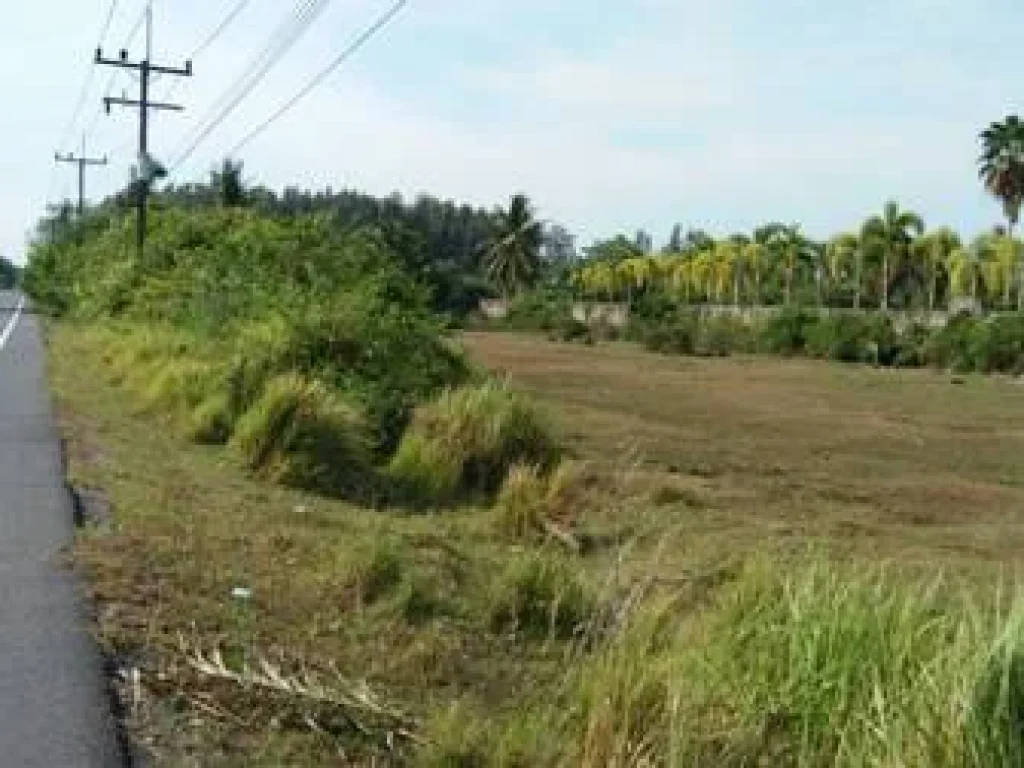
(726, 257)
(1001, 165)
(1007, 254)
(934, 250)
(680, 275)
(753, 258)
(513, 255)
(794, 248)
(839, 252)
(891, 233)
(964, 265)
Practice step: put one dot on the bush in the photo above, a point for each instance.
(844, 338)
(464, 444)
(538, 596)
(1000, 348)
(301, 435)
(544, 311)
(677, 336)
(786, 333)
(955, 346)
(722, 336)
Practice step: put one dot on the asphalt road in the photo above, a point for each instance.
(54, 711)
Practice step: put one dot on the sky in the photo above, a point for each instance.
(611, 115)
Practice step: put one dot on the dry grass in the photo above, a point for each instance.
(385, 615)
(367, 630)
(914, 465)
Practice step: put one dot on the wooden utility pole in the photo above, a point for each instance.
(148, 169)
(82, 162)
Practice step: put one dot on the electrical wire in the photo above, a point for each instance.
(358, 43)
(281, 41)
(210, 39)
(90, 75)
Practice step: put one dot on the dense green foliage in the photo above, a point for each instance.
(254, 298)
(986, 345)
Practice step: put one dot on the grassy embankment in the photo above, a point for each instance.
(726, 605)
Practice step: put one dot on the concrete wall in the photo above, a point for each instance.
(494, 309)
(597, 313)
(616, 314)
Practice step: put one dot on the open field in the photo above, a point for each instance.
(913, 465)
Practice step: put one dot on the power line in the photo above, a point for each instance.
(281, 41)
(233, 14)
(84, 94)
(210, 39)
(358, 43)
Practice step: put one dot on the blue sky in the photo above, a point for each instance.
(611, 115)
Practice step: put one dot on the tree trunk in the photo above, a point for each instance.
(859, 278)
(757, 286)
(789, 284)
(736, 289)
(885, 281)
(932, 286)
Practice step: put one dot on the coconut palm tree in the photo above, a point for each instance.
(795, 248)
(963, 265)
(513, 254)
(934, 250)
(1002, 256)
(702, 271)
(753, 257)
(841, 252)
(891, 234)
(726, 258)
(1001, 165)
(679, 275)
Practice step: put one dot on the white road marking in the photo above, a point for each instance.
(5, 335)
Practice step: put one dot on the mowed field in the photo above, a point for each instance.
(919, 466)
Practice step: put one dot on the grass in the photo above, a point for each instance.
(914, 465)
(756, 581)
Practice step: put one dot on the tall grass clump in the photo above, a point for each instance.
(464, 443)
(538, 596)
(822, 666)
(300, 434)
(534, 505)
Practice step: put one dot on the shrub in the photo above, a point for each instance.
(677, 336)
(464, 444)
(1000, 347)
(786, 333)
(721, 336)
(301, 435)
(845, 338)
(538, 596)
(956, 346)
(545, 311)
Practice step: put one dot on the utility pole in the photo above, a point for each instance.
(82, 161)
(148, 169)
